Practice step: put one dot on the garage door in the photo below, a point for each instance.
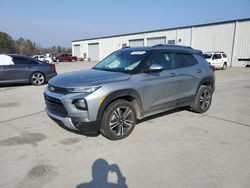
(93, 51)
(77, 50)
(136, 42)
(156, 40)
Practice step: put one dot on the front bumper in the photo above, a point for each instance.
(71, 123)
(65, 120)
(59, 107)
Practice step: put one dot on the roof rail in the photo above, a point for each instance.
(159, 45)
(171, 45)
(214, 52)
(125, 47)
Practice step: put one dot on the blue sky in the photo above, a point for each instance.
(51, 22)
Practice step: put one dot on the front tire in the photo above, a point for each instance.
(118, 120)
(203, 99)
(37, 78)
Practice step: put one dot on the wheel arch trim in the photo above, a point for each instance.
(207, 79)
(118, 95)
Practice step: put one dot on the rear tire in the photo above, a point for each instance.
(203, 99)
(118, 120)
(37, 78)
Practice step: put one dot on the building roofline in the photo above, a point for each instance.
(166, 29)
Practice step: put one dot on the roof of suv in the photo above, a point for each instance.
(166, 47)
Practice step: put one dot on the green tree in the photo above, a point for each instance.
(20, 45)
(7, 44)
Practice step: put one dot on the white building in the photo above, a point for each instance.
(232, 37)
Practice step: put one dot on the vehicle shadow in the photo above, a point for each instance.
(162, 114)
(14, 85)
(100, 172)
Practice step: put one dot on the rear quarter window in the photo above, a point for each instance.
(184, 60)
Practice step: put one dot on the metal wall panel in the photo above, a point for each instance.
(241, 43)
(156, 40)
(184, 37)
(93, 51)
(214, 38)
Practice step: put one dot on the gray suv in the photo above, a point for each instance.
(128, 85)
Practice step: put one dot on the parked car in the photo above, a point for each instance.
(24, 69)
(65, 57)
(217, 59)
(130, 84)
(43, 58)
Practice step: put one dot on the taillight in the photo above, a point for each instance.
(212, 67)
(53, 67)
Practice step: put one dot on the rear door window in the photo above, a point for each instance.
(184, 60)
(20, 61)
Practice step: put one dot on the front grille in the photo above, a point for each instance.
(55, 106)
(58, 89)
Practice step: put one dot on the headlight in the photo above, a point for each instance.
(84, 89)
(80, 104)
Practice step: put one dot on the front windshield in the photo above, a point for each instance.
(122, 61)
(207, 56)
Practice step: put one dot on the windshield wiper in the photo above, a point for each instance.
(104, 69)
(111, 70)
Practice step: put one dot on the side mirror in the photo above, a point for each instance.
(155, 68)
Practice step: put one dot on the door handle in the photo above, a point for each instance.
(172, 75)
(198, 70)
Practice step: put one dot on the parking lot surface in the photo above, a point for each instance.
(175, 149)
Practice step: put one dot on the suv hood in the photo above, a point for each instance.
(90, 77)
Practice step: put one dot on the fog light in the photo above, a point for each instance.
(80, 104)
